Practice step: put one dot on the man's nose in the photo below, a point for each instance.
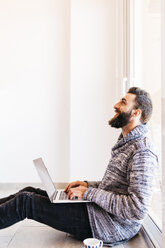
(116, 106)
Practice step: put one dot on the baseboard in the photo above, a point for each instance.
(8, 186)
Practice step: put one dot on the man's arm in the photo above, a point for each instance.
(93, 184)
(135, 204)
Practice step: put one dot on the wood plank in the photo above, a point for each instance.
(71, 242)
(141, 240)
(4, 241)
(38, 237)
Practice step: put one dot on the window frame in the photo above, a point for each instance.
(153, 231)
(130, 79)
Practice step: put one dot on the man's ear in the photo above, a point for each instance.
(136, 112)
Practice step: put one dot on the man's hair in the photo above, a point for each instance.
(142, 101)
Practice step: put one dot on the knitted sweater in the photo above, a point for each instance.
(121, 200)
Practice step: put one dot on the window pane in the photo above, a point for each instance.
(147, 66)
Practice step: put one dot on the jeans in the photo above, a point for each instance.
(33, 203)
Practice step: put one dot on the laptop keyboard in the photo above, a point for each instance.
(63, 196)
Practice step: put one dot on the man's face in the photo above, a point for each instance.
(123, 111)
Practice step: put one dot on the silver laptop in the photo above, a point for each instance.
(55, 196)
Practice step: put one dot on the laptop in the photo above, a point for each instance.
(55, 196)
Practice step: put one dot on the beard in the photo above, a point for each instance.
(121, 120)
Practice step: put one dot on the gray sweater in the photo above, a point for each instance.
(121, 200)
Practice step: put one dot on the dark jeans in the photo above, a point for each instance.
(34, 204)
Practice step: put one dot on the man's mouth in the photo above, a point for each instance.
(117, 113)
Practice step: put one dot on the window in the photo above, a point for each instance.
(150, 75)
(144, 70)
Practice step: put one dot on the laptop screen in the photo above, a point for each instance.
(45, 177)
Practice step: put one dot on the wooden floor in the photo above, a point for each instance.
(31, 234)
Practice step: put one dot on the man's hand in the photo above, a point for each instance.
(75, 184)
(77, 192)
(76, 189)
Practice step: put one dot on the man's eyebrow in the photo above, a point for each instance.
(123, 99)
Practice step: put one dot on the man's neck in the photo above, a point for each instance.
(129, 127)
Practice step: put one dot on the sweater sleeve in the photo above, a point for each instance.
(135, 204)
(93, 184)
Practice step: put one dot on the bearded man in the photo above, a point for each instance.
(119, 202)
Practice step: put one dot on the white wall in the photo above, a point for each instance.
(57, 87)
(92, 86)
(34, 88)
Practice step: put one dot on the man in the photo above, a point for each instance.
(118, 203)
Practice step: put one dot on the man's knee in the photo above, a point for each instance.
(27, 189)
(23, 202)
